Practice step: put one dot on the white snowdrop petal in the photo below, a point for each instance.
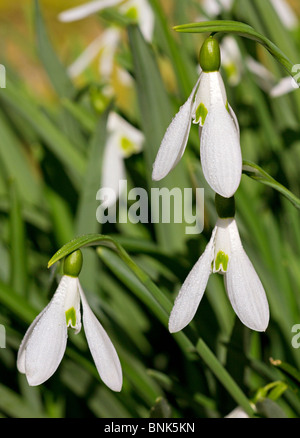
(285, 13)
(174, 141)
(145, 16)
(238, 412)
(113, 171)
(86, 57)
(86, 9)
(220, 152)
(72, 304)
(211, 91)
(192, 290)
(284, 86)
(234, 118)
(244, 288)
(47, 339)
(22, 348)
(124, 130)
(102, 349)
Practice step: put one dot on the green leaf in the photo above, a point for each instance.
(290, 372)
(16, 164)
(269, 409)
(54, 68)
(17, 304)
(161, 409)
(58, 76)
(257, 173)
(57, 142)
(61, 216)
(86, 221)
(14, 405)
(243, 30)
(17, 244)
(85, 241)
(156, 109)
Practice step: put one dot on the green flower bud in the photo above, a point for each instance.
(210, 56)
(225, 206)
(99, 100)
(73, 264)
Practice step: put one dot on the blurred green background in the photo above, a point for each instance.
(53, 132)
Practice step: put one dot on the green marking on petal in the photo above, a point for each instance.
(132, 13)
(127, 146)
(231, 70)
(71, 317)
(221, 259)
(227, 106)
(201, 113)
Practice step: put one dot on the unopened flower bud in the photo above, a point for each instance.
(210, 56)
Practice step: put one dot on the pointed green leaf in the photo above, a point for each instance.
(243, 30)
(257, 173)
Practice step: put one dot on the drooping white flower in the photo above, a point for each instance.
(238, 412)
(138, 10)
(231, 60)
(268, 82)
(212, 8)
(220, 151)
(106, 45)
(44, 343)
(223, 254)
(284, 86)
(123, 140)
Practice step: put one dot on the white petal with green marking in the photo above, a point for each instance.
(86, 9)
(72, 304)
(192, 290)
(224, 254)
(222, 246)
(211, 91)
(44, 343)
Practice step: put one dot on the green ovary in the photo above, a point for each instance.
(71, 316)
(128, 147)
(221, 259)
(227, 106)
(201, 113)
(231, 70)
(132, 13)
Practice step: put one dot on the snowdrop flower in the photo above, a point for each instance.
(138, 10)
(213, 8)
(238, 412)
(106, 44)
(284, 86)
(44, 343)
(231, 60)
(207, 105)
(123, 140)
(223, 254)
(268, 82)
